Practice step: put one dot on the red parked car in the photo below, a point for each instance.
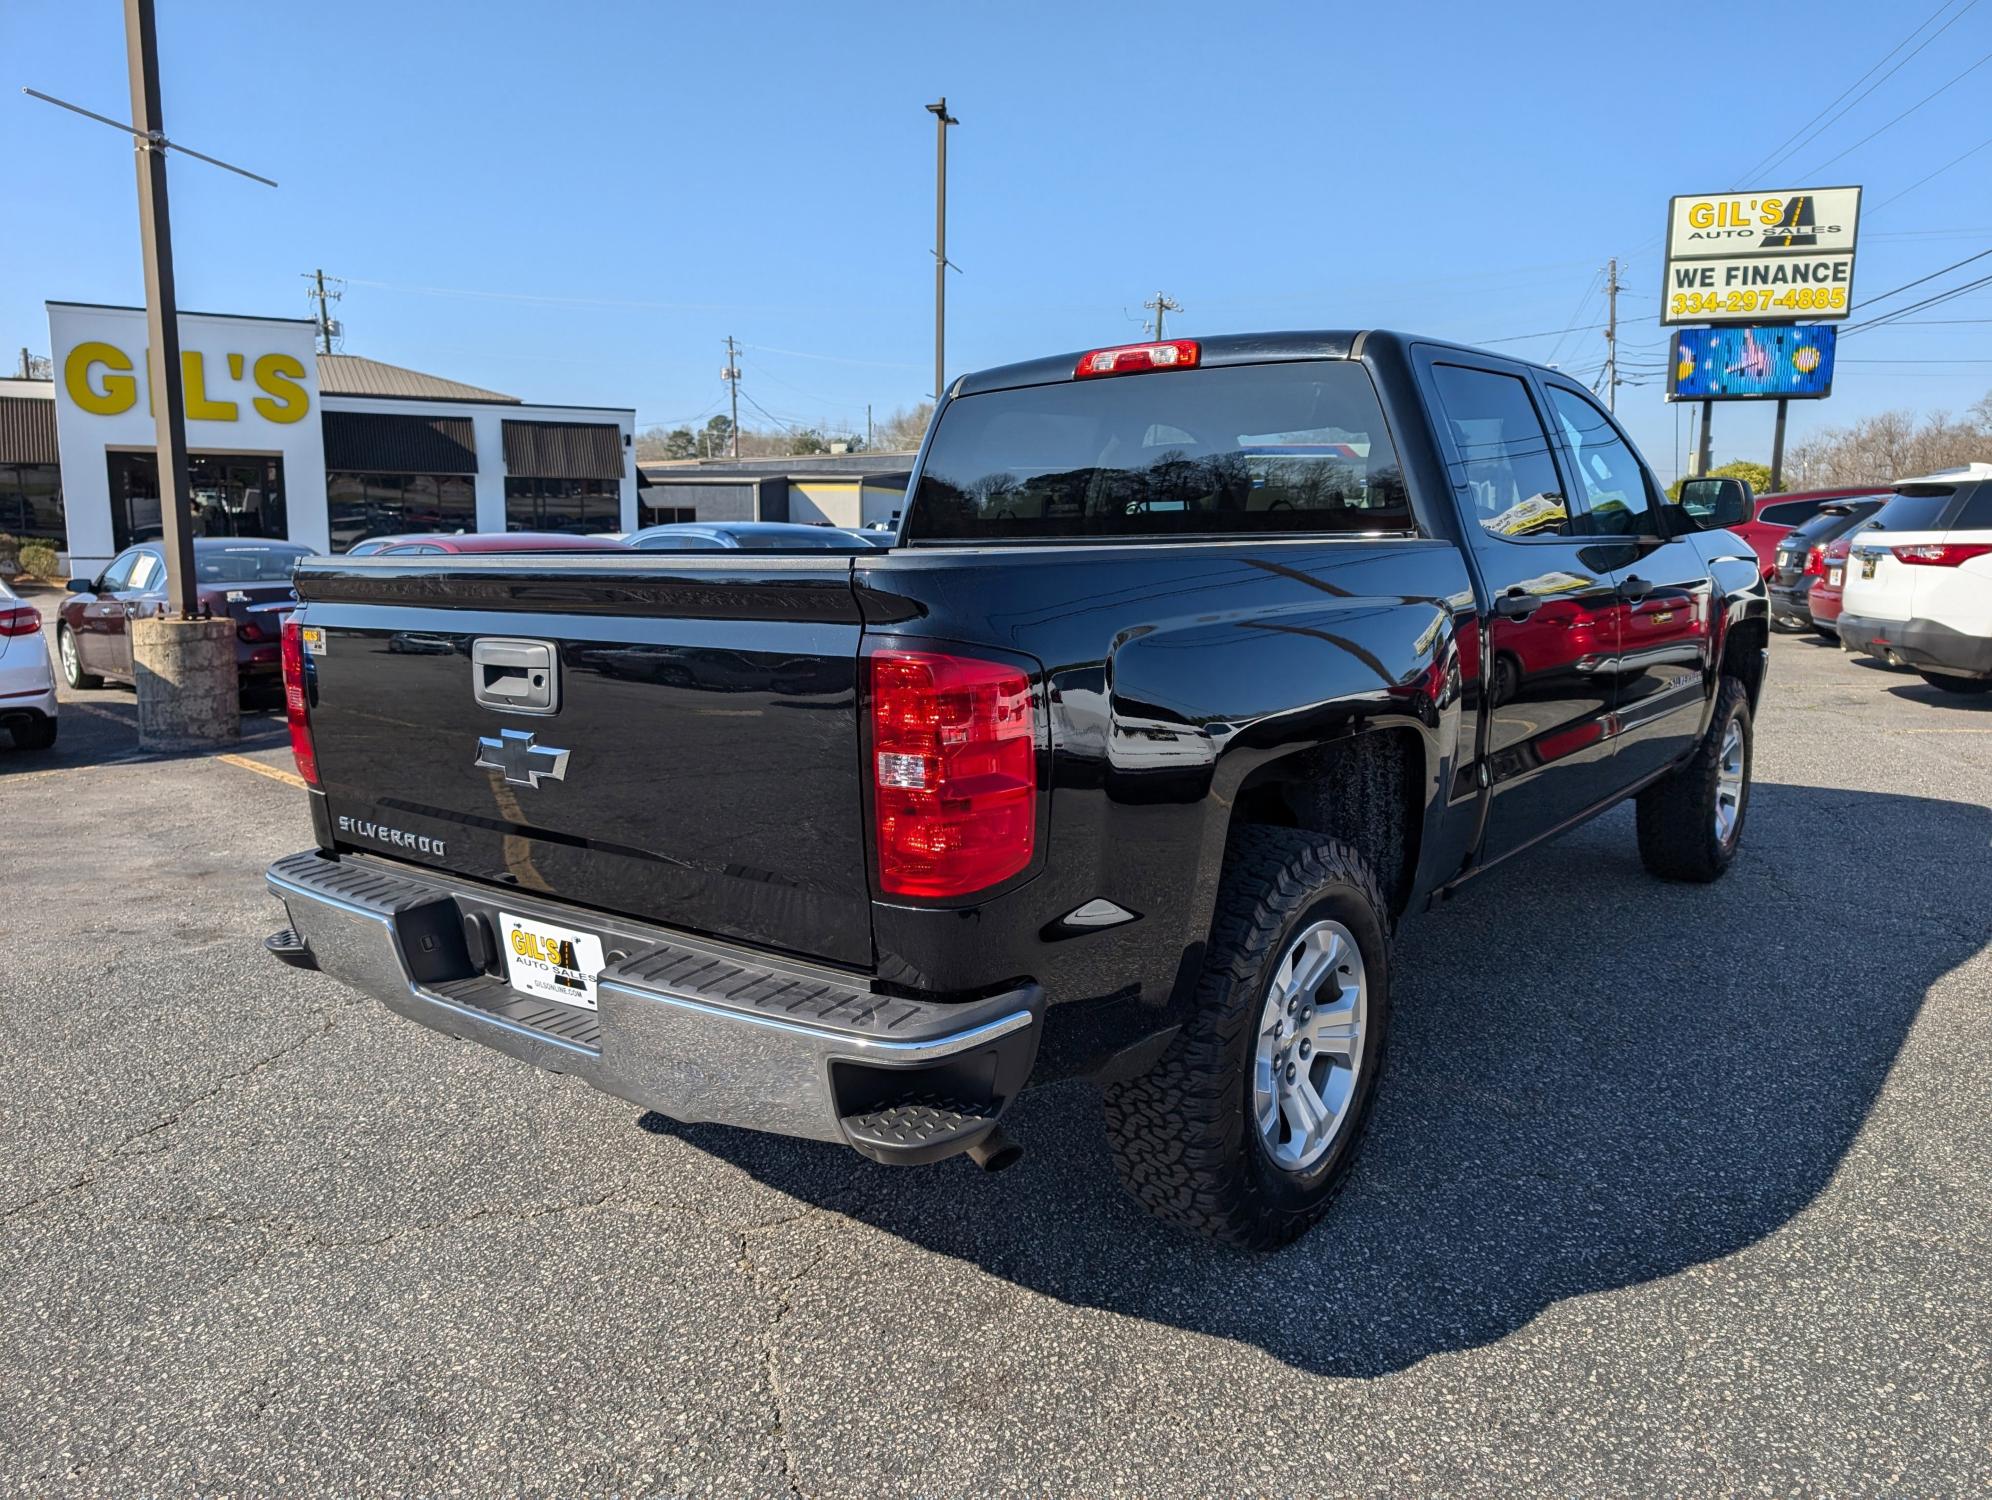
(1824, 600)
(1776, 515)
(498, 541)
(244, 577)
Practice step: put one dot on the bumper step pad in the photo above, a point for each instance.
(920, 1129)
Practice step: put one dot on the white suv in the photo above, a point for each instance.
(1919, 581)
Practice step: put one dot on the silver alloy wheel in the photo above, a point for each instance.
(65, 642)
(1310, 1045)
(1729, 782)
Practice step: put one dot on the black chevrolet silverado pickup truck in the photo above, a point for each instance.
(1195, 667)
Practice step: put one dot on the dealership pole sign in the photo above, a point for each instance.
(1784, 256)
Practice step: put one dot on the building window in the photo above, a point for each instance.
(665, 515)
(228, 494)
(31, 504)
(573, 505)
(369, 505)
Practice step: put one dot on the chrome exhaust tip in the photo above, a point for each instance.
(996, 1152)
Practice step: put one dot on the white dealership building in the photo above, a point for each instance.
(324, 449)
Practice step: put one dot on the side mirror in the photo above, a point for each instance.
(81, 585)
(1713, 504)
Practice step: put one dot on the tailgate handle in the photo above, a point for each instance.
(518, 676)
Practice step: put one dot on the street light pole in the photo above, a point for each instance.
(942, 120)
(162, 317)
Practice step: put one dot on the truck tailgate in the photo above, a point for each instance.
(696, 763)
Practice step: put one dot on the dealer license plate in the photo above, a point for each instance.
(1833, 577)
(551, 963)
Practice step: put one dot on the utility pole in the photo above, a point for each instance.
(869, 443)
(1162, 302)
(25, 366)
(1611, 333)
(162, 313)
(328, 327)
(942, 120)
(732, 375)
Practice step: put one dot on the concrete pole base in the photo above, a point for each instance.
(188, 698)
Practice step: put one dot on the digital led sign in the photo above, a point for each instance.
(1752, 363)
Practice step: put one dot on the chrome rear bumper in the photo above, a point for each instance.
(693, 1030)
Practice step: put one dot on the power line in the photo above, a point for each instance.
(1159, 304)
(1892, 291)
(1941, 88)
(1577, 312)
(835, 359)
(1940, 297)
(1516, 338)
(1921, 180)
(1793, 144)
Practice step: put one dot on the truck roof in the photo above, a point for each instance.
(1219, 349)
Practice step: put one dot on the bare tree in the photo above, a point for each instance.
(1893, 445)
(902, 431)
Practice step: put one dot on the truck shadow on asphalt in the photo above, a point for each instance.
(1595, 1079)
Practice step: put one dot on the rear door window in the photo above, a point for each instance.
(1504, 471)
(145, 572)
(1223, 450)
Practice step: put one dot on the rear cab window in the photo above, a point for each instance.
(1217, 451)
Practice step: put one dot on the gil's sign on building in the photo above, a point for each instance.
(1761, 257)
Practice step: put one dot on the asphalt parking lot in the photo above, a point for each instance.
(1672, 1190)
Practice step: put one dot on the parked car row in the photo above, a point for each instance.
(249, 580)
(1903, 574)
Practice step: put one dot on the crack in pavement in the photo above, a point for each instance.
(122, 1155)
(771, 1372)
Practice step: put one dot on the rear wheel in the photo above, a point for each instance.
(1691, 821)
(36, 734)
(72, 663)
(1952, 684)
(1248, 1125)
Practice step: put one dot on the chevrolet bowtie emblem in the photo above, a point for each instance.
(523, 762)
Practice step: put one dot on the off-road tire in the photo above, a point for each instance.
(1677, 837)
(1949, 684)
(1183, 1136)
(76, 677)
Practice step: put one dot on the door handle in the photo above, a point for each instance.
(1516, 605)
(1634, 589)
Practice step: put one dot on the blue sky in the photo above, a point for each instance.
(578, 202)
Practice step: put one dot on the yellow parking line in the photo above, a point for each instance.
(289, 778)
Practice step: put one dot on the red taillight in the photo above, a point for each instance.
(297, 706)
(19, 619)
(954, 772)
(249, 630)
(1815, 562)
(1126, 359)
(1941, 554)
